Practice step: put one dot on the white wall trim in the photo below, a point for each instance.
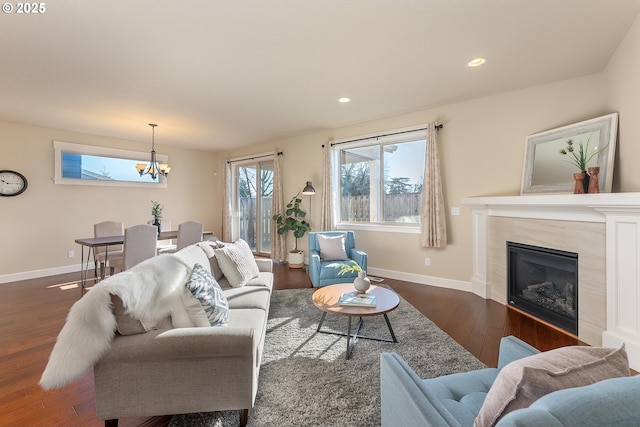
(440, 282)
(34, 274)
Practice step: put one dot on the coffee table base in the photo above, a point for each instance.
(353, 338)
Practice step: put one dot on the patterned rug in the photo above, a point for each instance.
(305, 379)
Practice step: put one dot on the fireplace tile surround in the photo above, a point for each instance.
(604, 229)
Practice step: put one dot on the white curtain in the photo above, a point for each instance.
(278, 241)
(226, 211)
(326, 218)
(433, 227)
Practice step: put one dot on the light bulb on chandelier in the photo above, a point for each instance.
(154, 168)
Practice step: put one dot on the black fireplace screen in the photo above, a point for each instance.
(544, 283)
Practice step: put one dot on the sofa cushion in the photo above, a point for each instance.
(211, 305)
(332, 247)
(255, 294)
(522, 382)
(237, 263)
(208, 247)
(192, 255)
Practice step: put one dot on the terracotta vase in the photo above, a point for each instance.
(579, 186)
(594, 185)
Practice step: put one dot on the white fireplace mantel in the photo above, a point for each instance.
(620, 212)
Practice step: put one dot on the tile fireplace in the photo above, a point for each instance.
(603, 229)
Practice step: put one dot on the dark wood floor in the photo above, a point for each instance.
(33, 312)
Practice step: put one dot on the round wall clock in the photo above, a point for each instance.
(12, 183)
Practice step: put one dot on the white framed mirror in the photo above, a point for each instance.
(547, 170)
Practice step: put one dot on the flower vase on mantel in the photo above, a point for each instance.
(579, 186)
(362, 282)
(594, 184)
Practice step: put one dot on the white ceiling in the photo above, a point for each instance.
(217, 74)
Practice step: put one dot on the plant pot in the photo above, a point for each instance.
(296, 259)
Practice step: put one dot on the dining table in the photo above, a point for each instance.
(91, 243)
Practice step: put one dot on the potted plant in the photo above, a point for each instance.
(293, 220)
(156, 213)
(580, 157)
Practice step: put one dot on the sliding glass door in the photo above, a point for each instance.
(253, 194)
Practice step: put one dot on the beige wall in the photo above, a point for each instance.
(481, 146)
(39, 227)
(482, 149)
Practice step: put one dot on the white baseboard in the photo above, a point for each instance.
(440, 282)
(27, 275)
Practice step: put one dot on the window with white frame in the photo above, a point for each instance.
(92, 165)
(378, 179)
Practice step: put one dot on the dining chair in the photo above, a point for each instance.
(139, 244)
(189, 232)
(104, 253)
(164, 245)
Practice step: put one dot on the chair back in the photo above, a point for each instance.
(189, 232)
(349, 241)
(106, 229)
(139, 244)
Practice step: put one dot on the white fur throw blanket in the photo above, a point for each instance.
(150, 291)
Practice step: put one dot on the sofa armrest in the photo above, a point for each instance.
(609, 402)
(402, 397)
(512, 348)
(359, 257)
(314, 267)
(183, 343)
(265, 265)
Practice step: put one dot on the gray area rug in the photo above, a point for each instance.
(305, 379)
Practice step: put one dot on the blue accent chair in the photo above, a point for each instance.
(455, 400)
(323, 273)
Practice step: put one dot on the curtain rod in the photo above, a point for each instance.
(438, 127)
(241, 159)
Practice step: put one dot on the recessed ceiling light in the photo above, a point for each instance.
(476, 62)
(344, 100)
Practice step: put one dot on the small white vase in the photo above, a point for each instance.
(362, 282)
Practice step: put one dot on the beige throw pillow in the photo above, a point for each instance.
(523, 381)
(237, 263)
(332, 247)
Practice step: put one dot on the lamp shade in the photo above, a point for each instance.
(308, 189)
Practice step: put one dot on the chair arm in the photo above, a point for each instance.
(183, 343)
(359, 257)
(512, 348)
(402, 397)
(314, 267)
(265, 265)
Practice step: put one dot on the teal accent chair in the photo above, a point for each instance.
(455, 400)
(323, 273)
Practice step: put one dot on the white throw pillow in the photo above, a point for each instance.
(237, 263)
(332, 247)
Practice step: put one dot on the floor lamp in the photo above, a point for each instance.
(309, 191)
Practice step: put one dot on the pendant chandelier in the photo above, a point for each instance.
(154, 168)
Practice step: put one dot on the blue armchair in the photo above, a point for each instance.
(323, 272)
(455, 400)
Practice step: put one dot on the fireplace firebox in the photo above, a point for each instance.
(543, 282)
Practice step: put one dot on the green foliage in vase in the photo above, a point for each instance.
(580, 156)
(293, 220)
(156, 210)
(350, 267)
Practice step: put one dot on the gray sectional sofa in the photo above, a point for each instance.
(165, 369)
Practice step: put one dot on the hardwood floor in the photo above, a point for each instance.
(33, 312)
